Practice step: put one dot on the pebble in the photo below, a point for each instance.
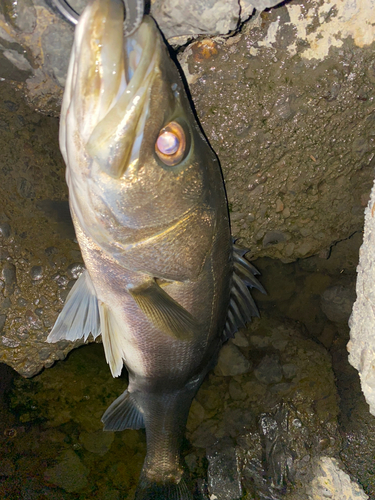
(69, 474)
(269, 370)
(2, 321)
(240, 340)
(231, 361)
(5, 230)
(75, 270)
(36, 273)
(97, 442)
(289, 371)
(44, 353)
(8, 274)
(273, 238)
(236, 391)
(337, 302)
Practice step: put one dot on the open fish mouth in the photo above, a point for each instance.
(134, 12)
(108, 84)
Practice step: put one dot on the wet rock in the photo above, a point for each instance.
(231, 361)
(224, 480)
(279, 454)
(286, 225)
(5, 230)
(8, 275)
(31, 166)
(97, 442)
(21, 15)
(337, 302)
(269, 370)
(271, 437)
(36, 273)
(69, 474)
(75, 270)
(331, 481)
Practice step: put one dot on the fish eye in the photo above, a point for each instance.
(170, 145)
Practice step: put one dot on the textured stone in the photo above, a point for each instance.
(332, 482)
(224, 480)
(69, 474)
(269, 370)
(337, 302)
(97, 442)
(231, 361)
(362, 321)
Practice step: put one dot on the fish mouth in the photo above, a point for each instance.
(111, 79)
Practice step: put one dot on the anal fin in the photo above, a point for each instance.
(123, 413)
(164, 312)
(80, 314)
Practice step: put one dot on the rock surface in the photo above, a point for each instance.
(276, 113)
(362, 321)
(39, 257)
(331, 481)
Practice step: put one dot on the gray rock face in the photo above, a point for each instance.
(331, 481)
(362, 321)
(39, 259)
(277, 123)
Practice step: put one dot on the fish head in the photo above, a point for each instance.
(137, 161)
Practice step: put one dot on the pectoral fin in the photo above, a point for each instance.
(80, 315)
(164, 312)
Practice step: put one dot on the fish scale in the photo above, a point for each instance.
(164, 283)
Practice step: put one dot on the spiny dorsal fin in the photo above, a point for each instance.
(241, 306)
(123, 413)
(164, 312)
(80, 315)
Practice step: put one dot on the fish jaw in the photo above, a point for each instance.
(106, 86)
(123, 198)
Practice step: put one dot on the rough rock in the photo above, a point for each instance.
(224, 478)
(331, 481)
(272, 426)
(39, 257)
(337, 302)
(362, 321)
(69, 474)
(35, 40)
(97, 442)
(231, 361)
(275, 102)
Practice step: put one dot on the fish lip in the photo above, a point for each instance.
(116, 140)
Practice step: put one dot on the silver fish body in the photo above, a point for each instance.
(150, 213)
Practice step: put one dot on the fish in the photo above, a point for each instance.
(164, 283)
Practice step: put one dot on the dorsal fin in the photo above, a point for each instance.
(241, 306)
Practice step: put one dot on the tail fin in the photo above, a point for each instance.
(148, 490)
